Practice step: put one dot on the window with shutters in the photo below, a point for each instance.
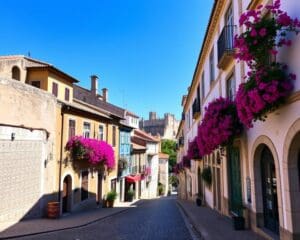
(113, 186)
(84, 185)
(86, 129)
(72, 126)
(212, 66)
(203, 86)
(67, 94)
(55, 89)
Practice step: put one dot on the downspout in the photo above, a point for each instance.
(61, 155)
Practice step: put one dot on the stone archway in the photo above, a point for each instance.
(294, 182)
(67, 194)
(266, 174)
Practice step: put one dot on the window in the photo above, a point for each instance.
(67, 94)
(230, 87)
(203, 86)
(86, 129)
(55, 89)
(71, 128)
(16, 74)
(113, 185)
(36, 84)
(211, 66)
(84, 185)
(114, 136)
(101, 133)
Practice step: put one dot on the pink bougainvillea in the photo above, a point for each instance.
(186, 162)
(92, 150)
(193, 150)
(268, 83)
(219, 126)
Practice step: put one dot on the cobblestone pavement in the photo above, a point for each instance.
(155, 219)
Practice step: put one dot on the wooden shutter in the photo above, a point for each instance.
(72, 126)
(67, 94)
(55, 89)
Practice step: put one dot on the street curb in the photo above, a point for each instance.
(190, 219)
(73, 227)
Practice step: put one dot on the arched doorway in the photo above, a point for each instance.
(269, 190)
(199, 183)
(67, 194)
(16, 73)
(294, 181)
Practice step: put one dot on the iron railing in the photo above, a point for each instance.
(226, 41)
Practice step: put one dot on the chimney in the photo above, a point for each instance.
(105, 94)
(94, 84)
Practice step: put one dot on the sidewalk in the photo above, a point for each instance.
(211, 225)
(73, 220)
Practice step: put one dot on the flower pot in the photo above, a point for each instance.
(53, 210)
(198, 201)
(238, 222)
(110, 204)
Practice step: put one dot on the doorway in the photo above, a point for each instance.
(67, 194)
(269, 191)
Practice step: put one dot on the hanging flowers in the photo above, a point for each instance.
(92, 150)
(193, 150)
(186, 162)
(219, 126)
(268, 82)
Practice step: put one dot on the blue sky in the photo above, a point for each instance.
(144, 51)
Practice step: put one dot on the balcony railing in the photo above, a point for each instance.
(226, 46)
(196, 108)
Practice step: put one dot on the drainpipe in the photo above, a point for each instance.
(61, 155)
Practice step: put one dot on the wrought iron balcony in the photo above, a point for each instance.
(196, 108)
(226, 46)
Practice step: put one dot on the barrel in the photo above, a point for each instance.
(53, 210)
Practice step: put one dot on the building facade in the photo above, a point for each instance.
(165, 127)
(256, 178)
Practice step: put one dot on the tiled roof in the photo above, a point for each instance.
(136, 146)
(131, 114)
(87, 96)
(141, 134)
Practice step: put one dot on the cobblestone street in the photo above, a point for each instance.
(155, 219)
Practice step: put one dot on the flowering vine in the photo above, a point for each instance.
(268, 83)
(219, 126)
(193, 150)
(92, 150)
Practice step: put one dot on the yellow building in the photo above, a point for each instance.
(88, 114)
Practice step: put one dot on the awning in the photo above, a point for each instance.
(133, 178)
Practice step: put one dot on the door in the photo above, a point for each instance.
(66, 194)
(269, 188)
(199, 183)
(99, 189)
(235, 181)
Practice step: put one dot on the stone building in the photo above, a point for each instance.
(256, 178)
(165, 127)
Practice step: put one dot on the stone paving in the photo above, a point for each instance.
(213, 226)
(34, 226)
(154, 219)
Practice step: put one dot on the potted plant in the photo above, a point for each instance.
(110, 198)
(130, 195)
(161, 189)
(199, 200)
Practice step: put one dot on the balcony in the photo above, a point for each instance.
(196, 109)
(225, 46)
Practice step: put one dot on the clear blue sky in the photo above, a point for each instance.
(144, 51)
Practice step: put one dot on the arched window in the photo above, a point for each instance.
(16, 74)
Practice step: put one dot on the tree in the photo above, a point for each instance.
(169, 147)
